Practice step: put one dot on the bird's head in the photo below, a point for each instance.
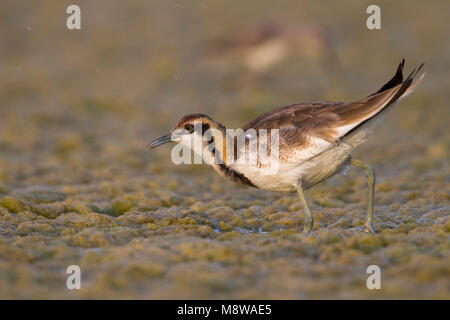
(190, 131)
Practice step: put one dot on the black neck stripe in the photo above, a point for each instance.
(234, 175)
(231, 173)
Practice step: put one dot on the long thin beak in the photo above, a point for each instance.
(159, 141)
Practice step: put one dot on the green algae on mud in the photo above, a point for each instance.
(221, 249)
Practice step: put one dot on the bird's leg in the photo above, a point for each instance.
(309, 218)
(370, 175)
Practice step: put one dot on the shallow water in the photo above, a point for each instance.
(77, 186)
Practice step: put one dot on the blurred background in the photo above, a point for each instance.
(78, 187)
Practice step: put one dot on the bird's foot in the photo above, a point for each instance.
(369, 227)
(307, 228)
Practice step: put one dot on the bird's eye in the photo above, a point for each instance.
(189, 128)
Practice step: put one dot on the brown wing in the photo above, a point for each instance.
(298, 121)
(301, 125)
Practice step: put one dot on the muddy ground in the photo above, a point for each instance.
(77, 186)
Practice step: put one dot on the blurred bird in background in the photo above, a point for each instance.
(261, 46)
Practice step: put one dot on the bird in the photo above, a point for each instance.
(315, 142)
(262, 45)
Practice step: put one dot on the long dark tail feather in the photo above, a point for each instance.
(396, 79)
(405, 85)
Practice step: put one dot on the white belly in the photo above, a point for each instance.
(290, 173)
